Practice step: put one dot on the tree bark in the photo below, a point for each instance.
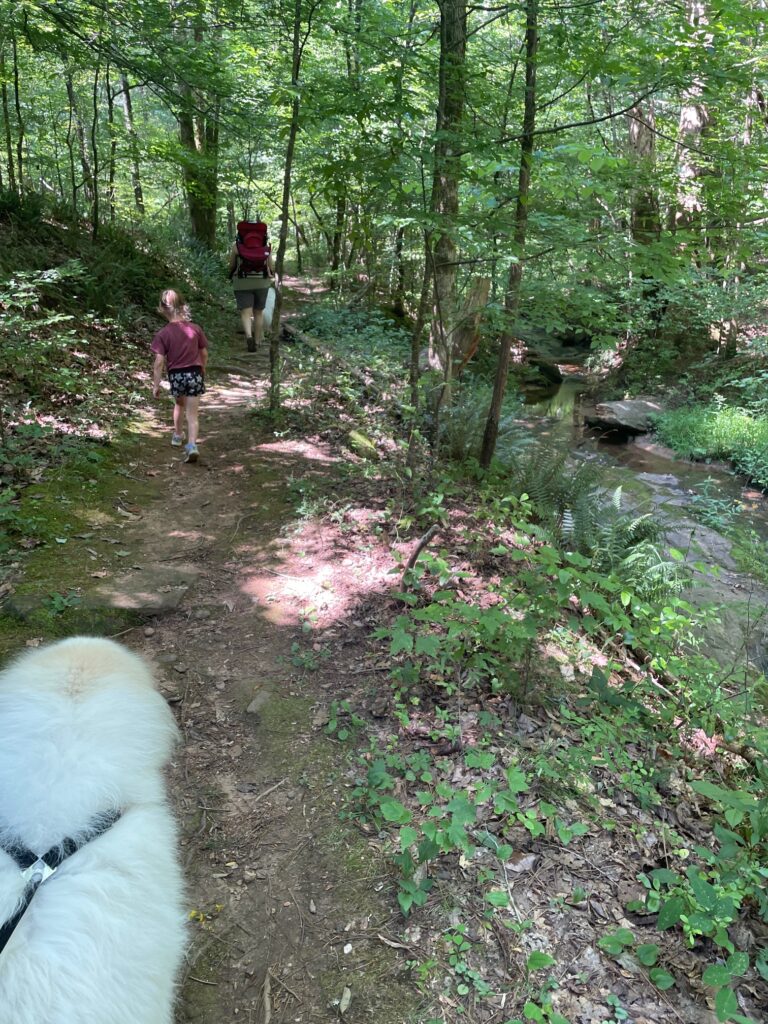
(274, 339)
(95, 212)
(7, 122)
(338, 237)
(19, 117)
(446, 178)
(133, 145)
(645, 222)
(512, 297)
(80, 134)
(112, 144)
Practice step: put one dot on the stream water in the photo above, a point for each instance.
(703, 506)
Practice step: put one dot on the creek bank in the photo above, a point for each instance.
(681, 492)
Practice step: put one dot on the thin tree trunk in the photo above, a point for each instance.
(447, 175)
(19, 118)
(112, 144)
(95, 212)
(338, 235)
(133, 145)
(7, 122)
(274, 340)
(512, 298)
(80, 133)
(398, 299)
(297, 232)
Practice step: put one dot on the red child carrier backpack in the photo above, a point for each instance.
(252, 248)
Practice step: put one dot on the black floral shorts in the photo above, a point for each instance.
(187, 381)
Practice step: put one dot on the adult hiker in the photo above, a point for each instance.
(252, 275)
(182, 348)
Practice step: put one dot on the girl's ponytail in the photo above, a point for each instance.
(172, 306)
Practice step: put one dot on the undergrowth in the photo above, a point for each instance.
(549, 697)
(722, 432)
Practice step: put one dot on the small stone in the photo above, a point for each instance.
(149, 631)
(180, 667)
(258, 702)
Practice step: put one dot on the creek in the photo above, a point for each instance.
(710, 514)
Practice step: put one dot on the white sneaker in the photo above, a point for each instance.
(192, 453)
(177, 440)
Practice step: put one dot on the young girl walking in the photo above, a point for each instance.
(181, 347)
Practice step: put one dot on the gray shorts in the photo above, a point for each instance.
(255, 299)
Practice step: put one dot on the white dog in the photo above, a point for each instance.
(84, 738)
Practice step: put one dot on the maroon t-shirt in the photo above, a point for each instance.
(181, 344)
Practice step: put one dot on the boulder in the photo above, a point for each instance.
(628, 416)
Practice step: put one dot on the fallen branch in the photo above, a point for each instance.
(417, 551)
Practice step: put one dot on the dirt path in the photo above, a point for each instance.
(286, 920)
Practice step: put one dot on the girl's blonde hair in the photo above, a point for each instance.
(172, 305)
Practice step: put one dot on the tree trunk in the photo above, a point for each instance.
(7, 122)
(398, 296)
(95, 213)
(338, 236)
(274, 340)
(512, 298)
(645, 222)
(199, 135)
(112, 145)
(80, 134)
(133, 145)
(694, 120)
(445, 182)
(297, 234)
(19, 117)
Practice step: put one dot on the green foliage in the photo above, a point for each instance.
(719, 431)
(463, 423)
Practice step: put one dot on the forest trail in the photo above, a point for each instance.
(285, 920)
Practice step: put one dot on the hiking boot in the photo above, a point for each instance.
(177, 440)
(251, 344)
(192, 453)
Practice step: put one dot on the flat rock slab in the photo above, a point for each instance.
(629, 416)
(151, 590)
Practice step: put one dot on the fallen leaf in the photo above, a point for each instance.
(346, 999)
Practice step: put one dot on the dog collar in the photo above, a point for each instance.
(37, 868)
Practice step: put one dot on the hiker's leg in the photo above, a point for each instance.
(259, 302)
(258, 326)
(193, 404)
(178, 414)
(246, 316)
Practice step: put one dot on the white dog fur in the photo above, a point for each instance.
(84, 732)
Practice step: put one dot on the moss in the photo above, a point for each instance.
(63, 511)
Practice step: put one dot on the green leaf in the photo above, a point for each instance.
(648, 954)
(725, 1004)
(538, 960)
(427, 644)
(716, 975)
(533, 1012)
(516, 780)
(393, 810)
(738, 964)
(401, 641)
(497, 898)
(670, 913)
(661, 979)
(408, 836)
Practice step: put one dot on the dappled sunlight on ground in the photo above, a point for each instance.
(302, 448)
(236, 392)
(318, 579)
